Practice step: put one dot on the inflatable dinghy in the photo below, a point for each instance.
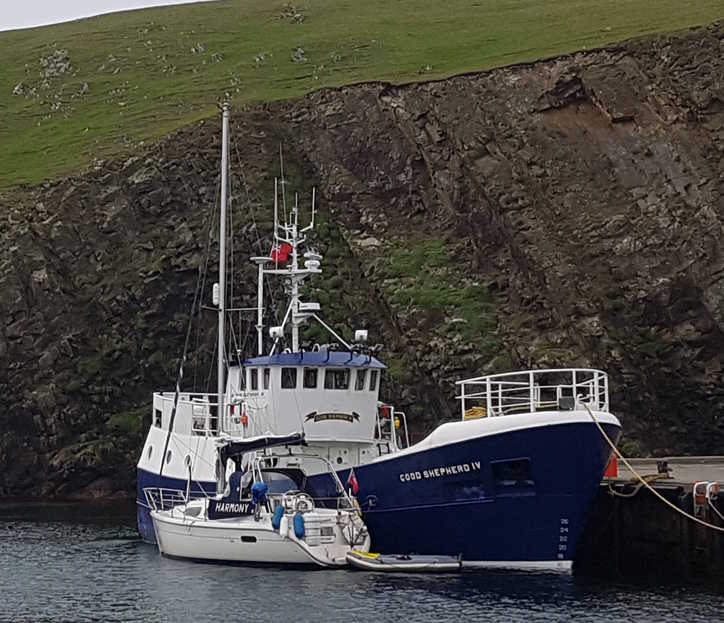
(403, 562)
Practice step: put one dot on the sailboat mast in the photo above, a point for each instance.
(222, 264)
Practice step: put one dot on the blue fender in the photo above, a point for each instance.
(299, 526)
(277, 517)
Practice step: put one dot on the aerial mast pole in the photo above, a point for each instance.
(295, 278)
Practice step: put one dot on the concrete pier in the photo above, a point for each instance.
(631, 530)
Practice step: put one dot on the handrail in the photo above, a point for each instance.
(404, 422)
(528, 391)
(188, 398)
(522, 372)
(160, 498)
(262, 458)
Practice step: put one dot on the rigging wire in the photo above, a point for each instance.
(209, 239)
(252, 212)
(211, 369)
(230, 261)
(284, 184)
(180, 374)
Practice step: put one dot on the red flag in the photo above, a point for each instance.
(352, 482)
(280, 253)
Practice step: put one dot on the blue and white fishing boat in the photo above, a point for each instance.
(508, 485)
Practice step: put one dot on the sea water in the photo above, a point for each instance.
(86, 563)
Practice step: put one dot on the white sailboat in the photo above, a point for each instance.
(248, 524)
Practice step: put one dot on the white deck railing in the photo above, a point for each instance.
(160, 499)
(528, 391)
(197, 408)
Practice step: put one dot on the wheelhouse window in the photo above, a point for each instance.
(267, 374)
(359, 383)
(310, 378)
(373, 380)
(336, 378)
(254, 379)
(289, 378)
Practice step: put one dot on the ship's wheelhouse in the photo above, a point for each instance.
(328, 394)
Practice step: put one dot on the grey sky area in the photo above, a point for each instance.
(27, 13)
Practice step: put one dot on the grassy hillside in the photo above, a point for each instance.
(130, 77)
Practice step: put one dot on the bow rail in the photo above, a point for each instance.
(528, 391)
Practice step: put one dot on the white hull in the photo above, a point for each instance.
(224, 543)
(244, 540)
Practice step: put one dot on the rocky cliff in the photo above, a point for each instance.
(568, 212)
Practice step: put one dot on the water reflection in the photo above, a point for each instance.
(61, 564)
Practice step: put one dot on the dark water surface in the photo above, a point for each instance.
(86, 563)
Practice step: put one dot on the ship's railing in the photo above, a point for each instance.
(201, 409)
(562, 389)
(236, 419)
(391, 425)
(160, 499)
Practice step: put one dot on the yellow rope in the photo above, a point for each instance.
(646, 484)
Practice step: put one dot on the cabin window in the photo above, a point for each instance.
(359, 383)
(373, 380)
(289, 378)
(336, 379)
(157, 418)
(267, 374)
(254, 383)
(310, 378)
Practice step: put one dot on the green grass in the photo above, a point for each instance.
(144, 81)
(427, 278)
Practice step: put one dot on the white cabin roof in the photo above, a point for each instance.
(322, 358)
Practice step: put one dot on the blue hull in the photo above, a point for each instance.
(535, 513)
(518, 496)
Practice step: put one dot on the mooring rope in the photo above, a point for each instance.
(637, 486)
(643, 481)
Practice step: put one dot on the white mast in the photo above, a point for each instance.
(295, 279)
(222, 264)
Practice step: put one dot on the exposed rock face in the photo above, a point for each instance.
(564, 213)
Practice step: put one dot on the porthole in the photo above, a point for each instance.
(187, 461)
(168, 457)
(339, 460)
(150, 452)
